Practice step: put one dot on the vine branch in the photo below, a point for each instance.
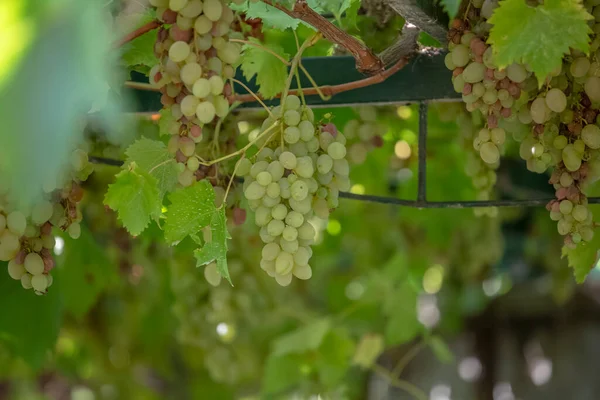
(366, 61)
(138, 32)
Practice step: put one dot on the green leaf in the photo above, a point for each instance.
(583, 258)
(538, 36)
(281, 372)
(309, 337)
(369, 348)
(140, 51)
(401, 307)
(135, 197)
(166, 118)
(216, 248)
(270, 16)
(334, 357)
(29, 324)
(451, 7)
(153, 157)
(85, 272)
(440, 349)
(270, 72)
(191, 209)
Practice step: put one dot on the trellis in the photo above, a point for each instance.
(425, 79)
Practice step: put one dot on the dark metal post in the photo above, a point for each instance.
(422, 184)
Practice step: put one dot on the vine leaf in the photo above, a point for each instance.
(270, 72)
(216, 248)
(138, 55)
(583, 258)
(369, 348)
(135, 197)
(270, 16)
(191, 209)
(441, 349)
(309, 337)
(153, 157)
(451, 7)
(538, 36)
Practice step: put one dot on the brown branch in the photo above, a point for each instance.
(331, 90)
(366, 61)
(138, 32)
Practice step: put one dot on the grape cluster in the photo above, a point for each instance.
(195, 60)
(26, 239)
(556, 125)
(363, 134)
(295, 176)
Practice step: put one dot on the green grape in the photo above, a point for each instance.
(192, 9)
(461, 55)
(458, 82)
(566, 206)
(564, 226)
(216, 84)
(201, 88)
(276, 170)
(284, 188)
(74, 230)
(341, 167)
(258, 167)
(270, 251)
(264, 178)
(291, 134)
(229, 53)
(302, 256)
(537, 150)
(213, 9)
(303, 272)
(587, 233)
(560, 142)
(79, 159)
(579, 146)
(16, 223)
(539, 110)
(304, 167)
(254, 191)
(307, 130)
(579, 67)
(16, 271)
(262, 216)
(566, 179)
(292, 102)
(291, 117)
(484, 135)
(218, 43)
(324, 163)
(41, 213)
(273, 190)
(299, 190)
(26, 281)
(306, 231)
(275, 227)
(302, 206)
(204, 43)
(179, 51)
(474, 72)
(516, 73)
(279, 212)
(284, 280)
(336, 151)
(288, 160)
(580, 213)
(212, 275)
(448, 62)
(289, 233)
(214, 64)
(490, 96)
(489, 153)
(556, 100)
(34, 264)
(177, 5)
(203, 25)
(592, 88)
(571, 158)
(289, 246)
(190, 73)
(294, 219)
(555, 215)
(39, 283)
(590, 134)
(205, 112)
(189, 105)
(498, 136)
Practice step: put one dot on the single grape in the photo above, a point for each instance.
(461, 55)
(288, 160)
(280, 212)
(270, 251)
(41, 212)
(39, 283)
(264, 178)
(201, 88)
(303, 272)
(254, 191)
(34, 264)
(516, 73)
(489, 153)
(291, 117)
(74, 230)
(571, 158)
(580, 213)
(291, 134)
(592, 88)
(16, 222)
(590, 134)
(336, 151)
(205, 112)
(16, 271)
(560, 142)
(304, 167)
(579, 67)
(213, 9)
(473, 73)
(26, 281)
(190, 73)
(179, 51)
(556, 100)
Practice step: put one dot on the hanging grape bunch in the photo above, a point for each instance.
(195, 60)
(26, 239)
(555, 122)
(363, 134)
(291, 180)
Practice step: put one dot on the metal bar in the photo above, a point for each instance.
(422, 173)
(408, 203)
(424, 78)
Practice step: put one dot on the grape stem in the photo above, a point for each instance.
(366, 61)
(254, 95)
(237, 164)
(137, 33)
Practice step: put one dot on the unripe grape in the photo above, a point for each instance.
(591, 136)
(201, 88)
(288, 160)
(205, 112)
(34, 264)
(16, 271)
(556, 100)
(580, 213)
(571, 158)
(26, 281)
(489, 153)
(179, 51)
(303, 272)
(39, 283)
(566, 206)
(213, 9)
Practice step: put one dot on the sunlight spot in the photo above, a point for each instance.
(357, 189)
(428, 312)
(334, 227)
(402, 150)
(492, 286)
(59, 245)
(503, 391)
(469, 369)
(222, 329)
(440, 392)
(244, 127)
(541, 371)
(404, 112)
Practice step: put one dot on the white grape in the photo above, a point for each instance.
(303, 272)
(205, 112)
(179, 51)
(203, 25)
(270, 251)
(190, 73)
(556, 100)
(213, 9)
(16, 271)
(590, 134)
(489, 153)
(288, 160)
(74, 230)
(34, 264)
(26, 281)
(39, 283)
(16, 222)
(201, 88)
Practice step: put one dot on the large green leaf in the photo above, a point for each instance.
(153, 157)
(270, 72)
(29, 324)
(538, 36)
(583, 258)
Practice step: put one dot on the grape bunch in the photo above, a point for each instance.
(298, 174)
(195, 60)
(556, 125)
(363, 134)
(26, 239)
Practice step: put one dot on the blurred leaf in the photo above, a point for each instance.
(271, 73)
(153, 157)
(140, 52)
(451, 7)
(85, 272)
(134, 196)
(216, 249)
(270, 16)
(29, 324)
(281, 372)
(334, 357)
(191, 209)
(583, 258)
(401, 306)
(309, 337)
(440, 349)
(73, 46)
(368, 350)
